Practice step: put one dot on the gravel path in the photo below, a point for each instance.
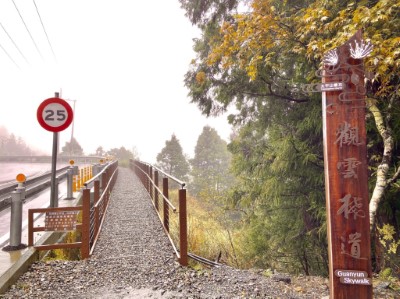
(134, 259)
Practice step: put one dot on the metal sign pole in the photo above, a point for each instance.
(53, 193)
(53, 189)
(54, 115)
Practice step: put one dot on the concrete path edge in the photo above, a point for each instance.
(31, 255)
(22, 264)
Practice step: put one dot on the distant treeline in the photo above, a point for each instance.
(11, 145)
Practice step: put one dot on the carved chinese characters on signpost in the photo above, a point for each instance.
(346, 178)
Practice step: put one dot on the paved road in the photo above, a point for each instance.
(8, 171)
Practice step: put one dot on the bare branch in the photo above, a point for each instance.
(394, 177)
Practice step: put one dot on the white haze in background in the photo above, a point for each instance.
(121, 61)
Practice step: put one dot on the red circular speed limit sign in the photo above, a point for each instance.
(54, 114)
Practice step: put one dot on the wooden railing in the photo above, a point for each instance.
(93, 209)
(150, 176)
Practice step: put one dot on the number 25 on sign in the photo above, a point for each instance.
(54, 114)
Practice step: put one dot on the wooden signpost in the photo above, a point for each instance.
(346, 169)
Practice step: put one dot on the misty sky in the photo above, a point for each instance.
(121, 61)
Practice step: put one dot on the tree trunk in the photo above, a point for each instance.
(383, 168)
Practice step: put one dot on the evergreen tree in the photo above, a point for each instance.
(72, 148)
(11, 145)
(121, 153)
(100, 151)
(172, 161)
(210, 167)
(258, 61)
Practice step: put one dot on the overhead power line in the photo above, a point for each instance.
(5, 51)
(26, 27)
(48, 40)
(14, 43)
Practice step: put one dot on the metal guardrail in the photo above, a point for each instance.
(48, 159)
(33, 186)
(33, 180)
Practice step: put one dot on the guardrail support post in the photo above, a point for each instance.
(183, 244)
(17, 198)
(70, 184)
(55, 199)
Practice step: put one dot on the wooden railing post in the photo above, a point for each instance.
(107, 172)
(96, 197)
(155, 189)
(183, 244)
(141, 174)
(103, 181)
(30, 228)
(145, 177)
(96, 192)
(165, 204)
(85, 249)
(150, 179)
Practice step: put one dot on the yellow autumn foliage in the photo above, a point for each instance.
(312, 31)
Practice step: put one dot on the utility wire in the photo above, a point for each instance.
(5, 51)
(26, 27)
(48, 40)
(14, 43)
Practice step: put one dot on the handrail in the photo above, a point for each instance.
(160, 191)
(97, 176)
(10, 188)
(101, 202)
(93, 213)
(166, 199)
(182, 183)
(148, 176)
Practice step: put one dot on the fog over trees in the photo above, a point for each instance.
(11, 145)
(172, 160)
